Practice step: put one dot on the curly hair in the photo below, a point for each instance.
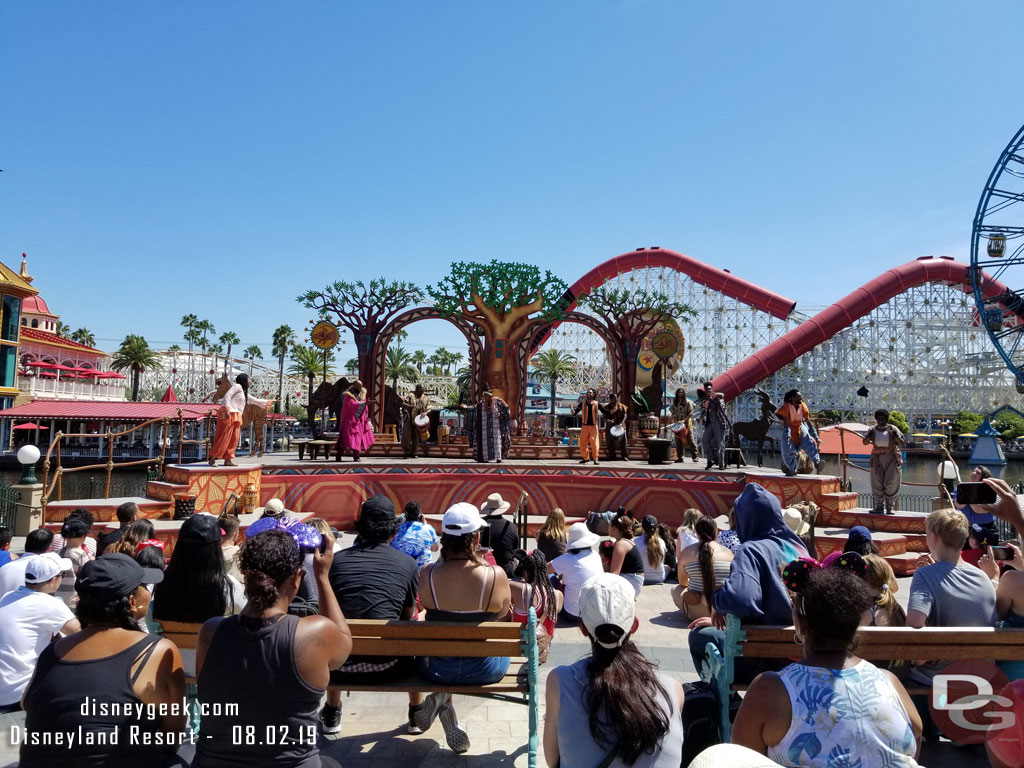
(376, 532)
(91, 610)
(267, 561)
(413, 511)
(831, 605)
(532, 568)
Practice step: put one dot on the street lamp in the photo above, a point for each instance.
(28, 455)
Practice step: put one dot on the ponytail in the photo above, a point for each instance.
(706, 531)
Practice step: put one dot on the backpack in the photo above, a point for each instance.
(701, 728)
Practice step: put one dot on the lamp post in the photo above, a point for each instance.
(28, 455)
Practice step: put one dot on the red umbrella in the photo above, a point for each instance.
(30, 425)
(51, 366)
(169, 396)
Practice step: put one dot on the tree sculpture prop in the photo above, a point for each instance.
(502, 299)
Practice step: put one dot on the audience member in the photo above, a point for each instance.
(754, 591)
(703, 568)
(372, 580)
(502, 537)
(12, 575)
(126, 514)
(275, 666)
(979, 539)
(572, 569)
(653, 551)
(275, 508)
(626, 558)
(416, 537)
(885, 611)
(859, 541)
(552, 538)
(6, 536)
(685, 533)
(1009, 584)
(132, 536)
(850, 711)
(74, 532)
(460, 587)
(30, 618)
(112, 662)
(532, 589)
(611, 704)
(90, 543)
(978, 516)
(326, 531)
(229, 525)
(307, 539)
(727, 535)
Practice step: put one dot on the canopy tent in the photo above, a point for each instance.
(30, 425)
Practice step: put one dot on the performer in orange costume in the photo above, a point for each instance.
(229, 420)
(802, 435)
(588, 434)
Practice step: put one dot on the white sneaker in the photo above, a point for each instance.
(454, 731)
(424, 717)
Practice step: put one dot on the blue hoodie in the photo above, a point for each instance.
(754, 591)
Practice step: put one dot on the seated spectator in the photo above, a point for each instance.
(671, 560)
(30, 618)
(979, 539)
(326, 531)
(415, 536)
(273, 665)
(727, 535)
(534, 590)
(611, 703)
(653, 551)
(6, 536)
(460, 587)
(150, 554)
(552, 537)
(703, 568)
(90, 543)
(572, 569)
(501, 537)
(885, 611)
(794, 518)
(229, 525)
(604, 550)
(108, 661)
(132, 536)
(307, 539)
(373, 580)
(754, 591)
(859, 541)
(831, 706)
(1009, 585)
(74, 532)
(977, 516)
(685, 533)
(126, 514)
(626, 558)
(275, 508)
(12, 575)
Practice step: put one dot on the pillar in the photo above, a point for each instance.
(29, 514)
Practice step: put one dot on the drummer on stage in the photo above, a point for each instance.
(415, 406)
(682, 417)
(614, 414)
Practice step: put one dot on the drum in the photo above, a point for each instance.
(422, 423)
(680, 430)
(648, 425)
(617, 431)
(443, 433)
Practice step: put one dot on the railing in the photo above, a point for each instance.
(905, 502)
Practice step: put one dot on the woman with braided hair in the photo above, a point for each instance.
(535, 591)
(703, 568)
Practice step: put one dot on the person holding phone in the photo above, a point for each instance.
(1009, 584)
(968, 501)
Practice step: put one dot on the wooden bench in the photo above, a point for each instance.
(874, 644)
(389, 435)
(185, 635)
(443, 638)
(314, 448)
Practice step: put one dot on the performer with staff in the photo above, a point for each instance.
(682, 424)
(416, 427)
(614, 413)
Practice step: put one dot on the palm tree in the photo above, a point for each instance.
(419, 357)
(284, 338)
(62, 329)
(252, 354)
(204, 329)
(454, 358)
(216, 349)
(398, 365)
(136, 354)
(228, 338)
(553, 364)
(352, 365)
(309, 362)
(443, 356)
(463, 378)
(188, 322)
(83, 336)
(173, 351)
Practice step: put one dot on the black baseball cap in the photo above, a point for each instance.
(378, 509)
(73, 527)
(111, 577)
(200, 529)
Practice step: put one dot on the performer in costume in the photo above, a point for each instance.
(717, 426)
(801, 434)
(614, 413)
(414, 405)
(355, 433)
(886, 462)
(682, 411)
(589, 443)
(488, 423)
(229, 420)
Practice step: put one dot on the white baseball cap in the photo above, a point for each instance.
(41, 568)
(461, 518)
(274, 507)
(607, 598)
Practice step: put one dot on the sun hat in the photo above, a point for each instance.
(41, 568)
(73, 527)
(795, 521)
(273, 508)
(495, 505)
(860, 533)
(607, 598)
(581, 537)
(113, 576)
(461, 518)
(200, 529)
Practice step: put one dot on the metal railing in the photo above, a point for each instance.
(905, 502)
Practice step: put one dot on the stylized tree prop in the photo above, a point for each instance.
(630, 316)
(501, 299)
(364, 309)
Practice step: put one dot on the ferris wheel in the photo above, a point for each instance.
(997, 256)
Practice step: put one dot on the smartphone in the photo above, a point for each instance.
(1002, 553)
(325, 543)
(975, 493)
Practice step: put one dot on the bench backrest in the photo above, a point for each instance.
(181, 633)
(372, 637)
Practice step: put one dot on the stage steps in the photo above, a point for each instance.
(103, 510)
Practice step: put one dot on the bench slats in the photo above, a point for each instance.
(513, 682)
(406, 647)
(434, 630)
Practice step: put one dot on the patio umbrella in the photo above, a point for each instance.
(30, 425)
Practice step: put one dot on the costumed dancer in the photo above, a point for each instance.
(589, 443)
(614, 412)
(414, 405)
(802, 435)
(716, 426)
(681, 410)
(886, 462)
(355, 433)
(488, 425)
(229, 420)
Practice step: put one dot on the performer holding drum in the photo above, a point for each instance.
(682, 428)
(614, 413)
(417, 421)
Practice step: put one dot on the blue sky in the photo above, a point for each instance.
(220, 158)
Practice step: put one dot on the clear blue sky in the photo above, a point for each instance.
(222, 157)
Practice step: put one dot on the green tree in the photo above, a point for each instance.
(553, 364)
(966, 422)
(352, 365)
(134, 354)
(419, 357)
(216, 350)
(398, 365)
(1009, 425)
(283, 340)
(62, 329)
(252, 353)
(309, 362)
(454, 358)
(228, 338)
(188, 322)
(443, 356)
(173, 351)
(84, 336)
(899, 420)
